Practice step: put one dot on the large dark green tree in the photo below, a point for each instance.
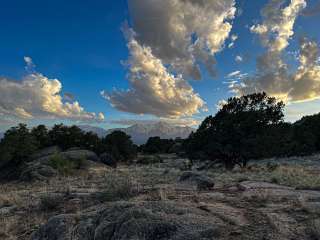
(41, 135)
(237, 132)
(15, 148)
(66, 137)
(120, 146)
(157, 145)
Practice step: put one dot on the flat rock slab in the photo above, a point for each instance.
(269, 191)
(249, 185)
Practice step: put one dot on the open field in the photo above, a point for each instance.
(262, 202)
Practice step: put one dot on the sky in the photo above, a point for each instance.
(115, 63)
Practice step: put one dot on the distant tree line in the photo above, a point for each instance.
(252, 127)
(156, 145)
(245, 128)
(19, 143)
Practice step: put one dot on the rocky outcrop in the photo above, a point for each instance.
(39, 167)
(45, 152)
(124, 220)
(34, 171)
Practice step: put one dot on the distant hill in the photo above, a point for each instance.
(141, 132)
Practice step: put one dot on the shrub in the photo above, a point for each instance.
(50, 202)
(64, 166)
(119, 188)
(149, 159)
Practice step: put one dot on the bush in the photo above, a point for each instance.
(65, 166)
(119, 188)
(149, 159)
(50, 202)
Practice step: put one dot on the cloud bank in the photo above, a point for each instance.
(183, 33)
(37, 96)
(273, 73)
(168, 42)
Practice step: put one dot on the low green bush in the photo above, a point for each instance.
(149, 159)
(65, 166)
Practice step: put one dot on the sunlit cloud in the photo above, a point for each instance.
(37, 96)
(153, 89)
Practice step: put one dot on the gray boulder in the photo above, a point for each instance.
(45, 152)
(35, 171)
(133, 221)
(57, 228)
(203, 182)
(41, 169)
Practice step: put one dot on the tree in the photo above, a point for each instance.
(41, 135)
(235, 134)
(66, 137)
(307, 135)
(91, 141)
(16, 147)
(157, 145)
(120, 146)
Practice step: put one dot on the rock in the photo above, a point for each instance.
(133, 221)
(57, 228)
(250, 185)
(36, 171)
(203, 182)
(108, 159)
(6, 210)
(45, 152)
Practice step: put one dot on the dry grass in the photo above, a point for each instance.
(119, 186)
(296, 176)
(289, 175)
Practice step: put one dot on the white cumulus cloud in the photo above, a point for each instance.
(274, 75)
(37, 96)
(153, 89)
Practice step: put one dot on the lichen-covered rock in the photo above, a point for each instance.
(45, 152)
(58, 228)
(132, 221)
(36, 171)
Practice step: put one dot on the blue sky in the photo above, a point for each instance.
(81, 44)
